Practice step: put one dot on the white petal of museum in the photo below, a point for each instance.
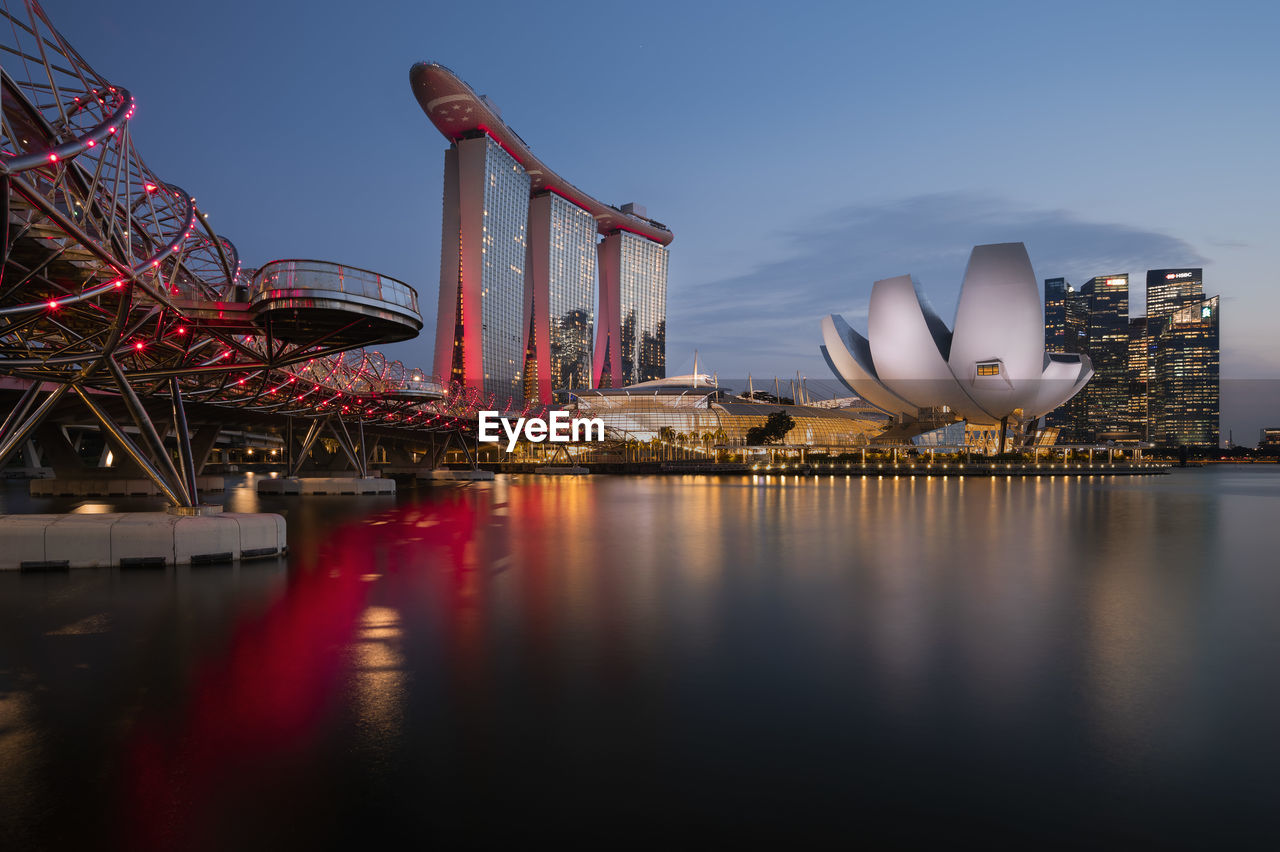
(991, 367)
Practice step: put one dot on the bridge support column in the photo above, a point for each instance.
(133, 451)
(25, 417)
(185, 455)
(163, 464)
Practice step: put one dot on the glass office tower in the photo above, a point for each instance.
(559, 297)
(1170, 289)
(1141, 367)
(1055, 314)
(1184, 395)
(1106, 397)
(1065, 314)
(483, 248)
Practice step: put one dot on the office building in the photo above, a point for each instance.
(1141, 369)
(1104, 409)
(1066, 311)
(1157, 375)
(1170, 289)
(1184, 393)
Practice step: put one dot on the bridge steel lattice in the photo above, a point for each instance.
(116, 291)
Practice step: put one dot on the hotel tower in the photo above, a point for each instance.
(522, 251)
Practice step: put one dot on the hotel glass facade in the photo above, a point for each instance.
(519, 263)
(572, 278)
(506, 211)
(643, 308)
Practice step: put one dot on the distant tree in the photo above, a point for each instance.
(775, 428)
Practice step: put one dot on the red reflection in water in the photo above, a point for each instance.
(263, 701)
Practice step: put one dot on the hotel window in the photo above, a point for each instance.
(991, 368)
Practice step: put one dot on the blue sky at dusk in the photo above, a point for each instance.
(798, 153)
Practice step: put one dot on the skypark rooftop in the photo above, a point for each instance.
(458, 112)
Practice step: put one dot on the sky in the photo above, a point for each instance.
(798, 152)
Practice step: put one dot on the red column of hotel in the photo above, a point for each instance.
(609, 323)
(537, 292)
(462, 229)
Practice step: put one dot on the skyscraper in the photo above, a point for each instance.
(1105, 409)
(560, 299)
(1184, 396)
(1170, 289)
(1066, 312)
(518, 263)
(631, 343)
(1141, 367)
(1056, 292)
(484, 229)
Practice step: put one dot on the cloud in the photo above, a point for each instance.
(766, 320)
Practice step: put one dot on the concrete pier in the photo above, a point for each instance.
(562, 470)
(465, 475)
(295, 485)
(137, 539)
(100, 486)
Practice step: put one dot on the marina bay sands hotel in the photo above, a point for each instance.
(521, 252)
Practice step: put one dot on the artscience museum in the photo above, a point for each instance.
(989, 369)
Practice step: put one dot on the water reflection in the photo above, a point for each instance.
(765, 653)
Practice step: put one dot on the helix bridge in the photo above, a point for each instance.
(119, 297)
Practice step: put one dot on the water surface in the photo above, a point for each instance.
(1042, 661)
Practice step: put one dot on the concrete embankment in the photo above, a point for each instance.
(138, 539)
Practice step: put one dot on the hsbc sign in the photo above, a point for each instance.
(1172, 275)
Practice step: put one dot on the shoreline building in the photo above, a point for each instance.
(1106, 398)
(1093, 321)
(521, 272)
(1184, 390)
(1066, 313)
(1157, 375)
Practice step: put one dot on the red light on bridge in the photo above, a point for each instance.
(53, 158)
(138, 345)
